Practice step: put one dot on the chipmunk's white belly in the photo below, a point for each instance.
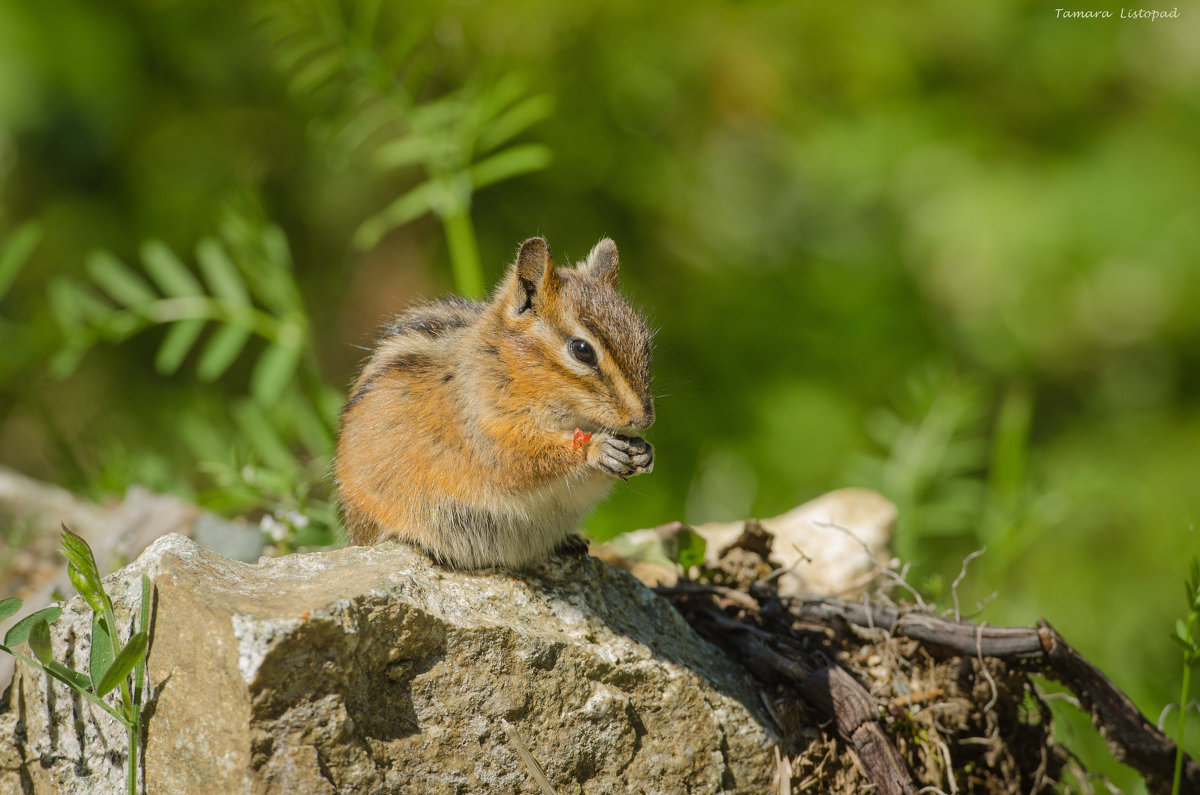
(516, 529)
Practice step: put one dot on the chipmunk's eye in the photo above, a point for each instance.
(582, 351)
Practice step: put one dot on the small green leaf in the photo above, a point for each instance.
(18, 633)
(176, 344)
(9, 606)
(39, 641)
(509, 163)
(76, 679)
(1181, 643)
(221, 351)
(690, 549)
(73, 306)
(171, 275)
(273, 372)
(117, 279)
(16, 250)
(125, 662)
(220, 273)
(101, 657)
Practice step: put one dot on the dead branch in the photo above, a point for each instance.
(1131, 738)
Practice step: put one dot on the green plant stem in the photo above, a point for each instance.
(199, 307)
(113, 635)
(131, 777)
(1183, 695)
(89, 696)
(464, 254)
(139, 677)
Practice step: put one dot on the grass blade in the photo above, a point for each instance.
(139, 671)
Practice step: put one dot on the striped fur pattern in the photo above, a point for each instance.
(457, 435)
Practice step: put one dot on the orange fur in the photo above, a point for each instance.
(458, 433)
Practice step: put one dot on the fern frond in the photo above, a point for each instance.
(362, 71)
(245, 289)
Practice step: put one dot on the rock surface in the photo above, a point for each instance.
(371, 670)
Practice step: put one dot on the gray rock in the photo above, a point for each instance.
(371, 670)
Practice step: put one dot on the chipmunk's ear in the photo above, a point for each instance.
(536, 279)
(602, 261)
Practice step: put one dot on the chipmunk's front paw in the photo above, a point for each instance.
(624, 456)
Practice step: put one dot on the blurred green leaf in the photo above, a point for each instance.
(412, 150)
(171, 275)
(220, 273)
(510, 163)
(316, 71)
(15, 252)
(180, 338)
(263, 436)
(221, 352)
(408, 207)
(117, 279)
(275, 245)
(515, 121)
(689, 548)
(9, 606)
(273, 372)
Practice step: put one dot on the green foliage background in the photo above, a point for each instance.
(950, 251)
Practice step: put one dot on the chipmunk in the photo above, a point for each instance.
(483, 432)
